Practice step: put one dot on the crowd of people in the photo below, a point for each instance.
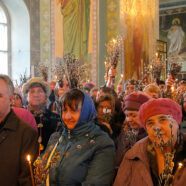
(94, 135)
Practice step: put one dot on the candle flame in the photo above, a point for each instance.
(172, 88)
(180, 164)
(114, 41)
(121, 75)
(28, 157)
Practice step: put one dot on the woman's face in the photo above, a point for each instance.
(17, 102)
(152, 94)
(36, 96)
(129, 89)
(162, 123)
(103, 108)
(70, 115)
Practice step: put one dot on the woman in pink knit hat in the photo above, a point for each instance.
(154, 159)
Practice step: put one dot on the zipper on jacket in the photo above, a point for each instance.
(69, 137)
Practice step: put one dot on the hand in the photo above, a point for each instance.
(112, 72)
(169, 82)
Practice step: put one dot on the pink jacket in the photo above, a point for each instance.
(26, 116)
(134, 169)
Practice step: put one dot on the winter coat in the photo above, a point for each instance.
(85, 155)
(123, 143)
(135, 168)
(17, 140)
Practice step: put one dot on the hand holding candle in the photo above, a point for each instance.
(31, 172)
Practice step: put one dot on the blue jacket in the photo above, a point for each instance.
(86, 154)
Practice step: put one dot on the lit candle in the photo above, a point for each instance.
(31, 172)
(172, 89)
(180, 165)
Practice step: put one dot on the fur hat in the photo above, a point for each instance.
(134, 100)
(160, 106)
(39, 81)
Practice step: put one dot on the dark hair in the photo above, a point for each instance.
(72, 98)
(106, 97)
(160, 82)
(108, 90)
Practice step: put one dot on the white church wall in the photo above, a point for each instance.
(20, 37)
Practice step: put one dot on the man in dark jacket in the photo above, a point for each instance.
(17, 140)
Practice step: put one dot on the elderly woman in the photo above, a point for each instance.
(153, 91)
(82, 154)
(154, 159)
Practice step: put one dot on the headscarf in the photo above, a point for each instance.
(88, 111)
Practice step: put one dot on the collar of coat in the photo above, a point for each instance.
(11, 121)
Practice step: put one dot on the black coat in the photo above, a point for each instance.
(51, 122)
(17, 140)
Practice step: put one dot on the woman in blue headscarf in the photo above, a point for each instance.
(82, 154)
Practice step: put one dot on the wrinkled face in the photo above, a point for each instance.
(152, 94)
(36, 96)
(104, 107)
(132, 118)
(5, 100)
(129, 89)
(16, 102)
(70, 116)
(162, 123)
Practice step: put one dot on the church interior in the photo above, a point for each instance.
(92, 92)
(40, 32)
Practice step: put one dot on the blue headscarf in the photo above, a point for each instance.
(88, 111)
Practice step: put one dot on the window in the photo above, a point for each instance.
(3, 42)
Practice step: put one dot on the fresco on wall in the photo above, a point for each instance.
(173, 31)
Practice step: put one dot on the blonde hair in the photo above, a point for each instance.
(152, 88)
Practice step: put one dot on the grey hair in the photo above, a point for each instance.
(9, 83)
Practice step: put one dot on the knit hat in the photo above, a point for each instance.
(88, 86)
(160, 106)
(134, 100)
(37, 81)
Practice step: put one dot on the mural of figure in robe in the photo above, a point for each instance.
(76, 15)
(176, 36)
